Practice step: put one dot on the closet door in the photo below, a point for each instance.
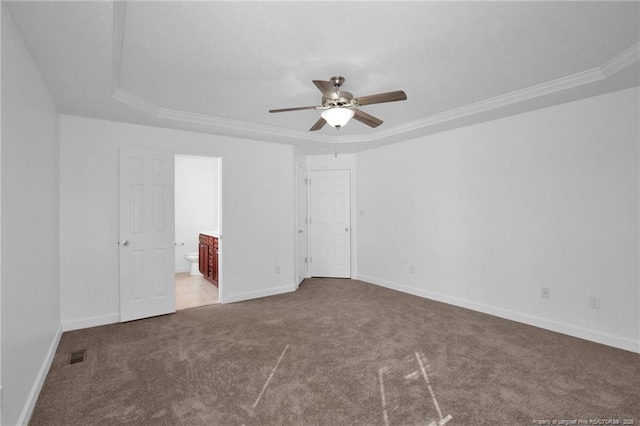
(330, 224)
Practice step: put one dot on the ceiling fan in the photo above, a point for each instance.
(338, 106)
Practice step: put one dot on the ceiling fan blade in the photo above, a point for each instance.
(318, 125)
(294, 109)
(367, 119)
(326, 87)
(379, 98)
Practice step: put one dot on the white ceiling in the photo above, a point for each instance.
(218, 67)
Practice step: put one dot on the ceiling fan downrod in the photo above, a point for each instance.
(337, 81)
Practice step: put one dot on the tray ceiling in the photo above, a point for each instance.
(218, 67)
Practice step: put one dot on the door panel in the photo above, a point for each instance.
(330, 219)
(147, 226)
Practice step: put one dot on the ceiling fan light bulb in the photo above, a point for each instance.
(337, 117)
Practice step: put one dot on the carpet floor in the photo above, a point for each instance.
(335, 352)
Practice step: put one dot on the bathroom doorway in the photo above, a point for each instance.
(197, 212)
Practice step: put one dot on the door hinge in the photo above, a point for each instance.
(305, 260)
(307, 181)
(311, 260)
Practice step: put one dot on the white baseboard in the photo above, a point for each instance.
(615, 341)
(257, 294)
(42, 375)
(182, 269)
(96, 321)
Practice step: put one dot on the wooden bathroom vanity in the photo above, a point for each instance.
(208, 258)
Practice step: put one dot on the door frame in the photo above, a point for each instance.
(352, 209)
(304, 226)
(222, 296)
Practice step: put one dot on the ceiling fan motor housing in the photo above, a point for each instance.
(338, 99)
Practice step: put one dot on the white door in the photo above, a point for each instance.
(301, 181)
(330, 224)
(147, 282)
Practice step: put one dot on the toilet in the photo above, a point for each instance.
(193, 258)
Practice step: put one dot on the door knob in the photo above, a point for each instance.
(300, 231)
(346, 229)
(125, 243)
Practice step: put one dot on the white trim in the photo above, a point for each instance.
(96, 321)
(608, 339)
(27, 410)
(517, 96)
(245, 127)
(134, 101)
(239, 297)
(116, 55)
(621, 61)
(262, 131)
(510, 98)
(221, 208)
(304, 226)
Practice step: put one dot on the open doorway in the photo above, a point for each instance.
(197, 216)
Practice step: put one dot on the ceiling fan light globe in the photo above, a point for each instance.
(337, 117)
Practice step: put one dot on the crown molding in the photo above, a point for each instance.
(263, 132)
(500, 101)
(548, 87)
(237, 125)
(135, 101)
(118, 31)
(621, 61)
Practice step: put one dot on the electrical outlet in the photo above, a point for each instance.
(412, 269)
(545, 292)
(594, 302)
(278, 269)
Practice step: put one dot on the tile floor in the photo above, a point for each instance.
(193, 291)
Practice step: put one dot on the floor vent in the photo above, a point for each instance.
(77, 356)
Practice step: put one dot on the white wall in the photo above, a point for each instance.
(257, 213)
(1, 20)
(490, 213)
(30, 252)
(196, 201)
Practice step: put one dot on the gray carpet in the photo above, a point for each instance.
(335, 352)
